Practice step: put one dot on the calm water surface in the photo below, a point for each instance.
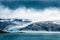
(29, 36)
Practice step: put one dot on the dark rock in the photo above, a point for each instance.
(46, 26)
(3, 31)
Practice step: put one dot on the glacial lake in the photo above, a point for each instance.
(29, 36)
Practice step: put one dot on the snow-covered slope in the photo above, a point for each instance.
(38, 26)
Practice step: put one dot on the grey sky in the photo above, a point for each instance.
(29, 0)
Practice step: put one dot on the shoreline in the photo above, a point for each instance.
(32, 32)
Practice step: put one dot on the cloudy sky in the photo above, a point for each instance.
(29, 0)
(33, 10)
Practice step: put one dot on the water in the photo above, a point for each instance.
(29, 36)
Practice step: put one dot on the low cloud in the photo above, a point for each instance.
(48, 14)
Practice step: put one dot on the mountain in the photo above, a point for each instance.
(2, 31)
(43, 26)
(38, 26)
(7, 23)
